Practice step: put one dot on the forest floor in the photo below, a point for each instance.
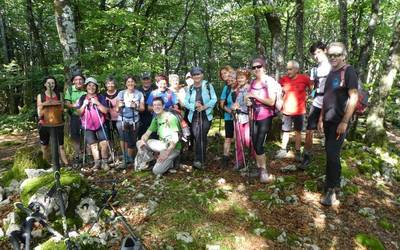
(218, 208)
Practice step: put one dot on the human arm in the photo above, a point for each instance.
(349, 110)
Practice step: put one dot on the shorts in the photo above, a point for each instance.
(44, 135)
(296, 120)
(313, 117)
(229, 130)
(75, 127)
(128, 132)
(92, 137)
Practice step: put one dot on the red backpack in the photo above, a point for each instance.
(363, 95)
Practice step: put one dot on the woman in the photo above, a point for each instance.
(130, 102)
(176, 88)
(200, 101)
(168, 96)
(51, 95)
(241, 113)
(92, 108)
(227, 74)
(111, 99)
(261, 99)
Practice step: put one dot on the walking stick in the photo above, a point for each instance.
(104, 131)
(200, 120)
(84, 137)
(124, 153)
(251, 127)
(238, 133)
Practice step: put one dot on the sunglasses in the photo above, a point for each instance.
(335, 55)
(256, 67)
(289, 68)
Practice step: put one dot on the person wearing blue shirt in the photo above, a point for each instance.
(200, 101)
(225, 103)
(169, 97)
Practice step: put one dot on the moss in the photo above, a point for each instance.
(68, 178)
(385, 224)
(271, 233)
(52, 245)
(260, 195)
(351, 189)
(369, 241)
(310, 185)
(27, 157)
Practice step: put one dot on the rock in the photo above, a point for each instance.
(96, 229)
(87, 210)
(282, 237)
(213, 247)
(292, 199)
(50, 205)
(332, 227)
(11, 223)
(73, 234)
(32, 173)
(13, 188)
(151, 207)
(367, 212)
(289, 168)
(184, 236)
(2, 194)
(37, 233)
(311, 247)
(221, 181)
(5, 202)
(259, 231)
(1, 233)
(139, 196)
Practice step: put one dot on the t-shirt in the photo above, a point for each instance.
(321, 73)
(336, 93)
(226, 96)
(146, 115)
(112, 103)
(262, 111)
(72, 94)
(167, 127)
(243, 115)
(168, 96)
(127, 97)
(295, 94)
(92, 117)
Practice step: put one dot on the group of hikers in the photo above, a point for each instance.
(149, 121)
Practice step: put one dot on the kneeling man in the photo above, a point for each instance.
(167, 126)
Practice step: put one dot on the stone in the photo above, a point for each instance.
(367, 212)
(32, 173)
(292, 199)
(1, 233)
(221, 181)
(139, 196)
(11, 223)
(50, 205)
(213, 247)
(151, 207)
(289, 168)
(5, 202)
(2, 194)
(13, 188)
(87, 210)
(282, 237)
(259, 231)
(184, 236)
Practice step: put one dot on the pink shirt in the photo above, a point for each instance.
(261, 111)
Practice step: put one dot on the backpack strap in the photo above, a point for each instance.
(342, 75)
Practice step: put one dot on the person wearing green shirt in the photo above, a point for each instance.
(71, 98)
(167, 126)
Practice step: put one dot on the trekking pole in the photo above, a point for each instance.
(239, 132)
(251, 128)
(236, 136)
(200, 117)
(84, 137)
(104, 131)
(124, 149)
(111, 129)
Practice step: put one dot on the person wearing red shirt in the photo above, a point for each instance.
(294, 87)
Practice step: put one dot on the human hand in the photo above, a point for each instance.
(341, 129)
(163, 156)
(320, 126)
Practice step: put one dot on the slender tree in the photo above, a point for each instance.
(343, 22)
(257, 30)
(300, 32)
(4, 42)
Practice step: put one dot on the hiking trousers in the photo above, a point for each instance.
(332, 148)
(200, 127)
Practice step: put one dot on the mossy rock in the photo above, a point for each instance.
(68, 178)
(51, 245)
(369, 241)
(24, 158)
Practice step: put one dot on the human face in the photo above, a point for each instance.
(146, 83)
(291, 70)
(110, 85)
(242, 80)
(91, 88)
(231, 80)
(174, 82)
(224, 75)
(319, 55)
(189, 81)
(158, 107)
(78, 82)
(130, 84)
(197, 78)
(162, 85)
(50, 84)
(336, 57)
(257, 69)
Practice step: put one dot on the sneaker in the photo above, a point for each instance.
(104, 165)
(281, 154)
(198, 165)
(306, 161)
(298, 156)
(330, 198)
(265, 177)
(97, 164)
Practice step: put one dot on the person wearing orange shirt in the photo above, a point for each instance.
(294, 87)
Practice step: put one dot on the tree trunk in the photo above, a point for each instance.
(4, 42)
(206, 26)
(257, 31)
(376, 132)
(274, 25)
(343, 22)
(366, 48)
(67, 35)
(286, 40)
(300, 32)
(355, 33)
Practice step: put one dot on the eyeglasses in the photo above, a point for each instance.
(256, 67)
(289, 68)
(335, 55)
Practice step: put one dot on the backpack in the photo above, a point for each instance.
(207, 86)
(184, 129)
(277, 89)
(363, 95)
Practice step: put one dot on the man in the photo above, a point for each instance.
(318, 75)
(200, 100)
(339, 103)
(71, 97)
(145, 116)
(294, 87)
(166, 125)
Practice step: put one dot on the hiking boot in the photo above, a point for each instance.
(97, 164)
(237, 166)
(281, 154)
(104, 165)
(198, 165)
(265, 177)
(330, 198)
(297, 156)
(306, 161)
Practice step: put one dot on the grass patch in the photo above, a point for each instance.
(386, 224)
(10, 143)
(369, 241)
(310, 185)
(351, 189)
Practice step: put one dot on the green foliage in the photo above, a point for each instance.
(17, 124)
(386, 224)
(369, 241)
